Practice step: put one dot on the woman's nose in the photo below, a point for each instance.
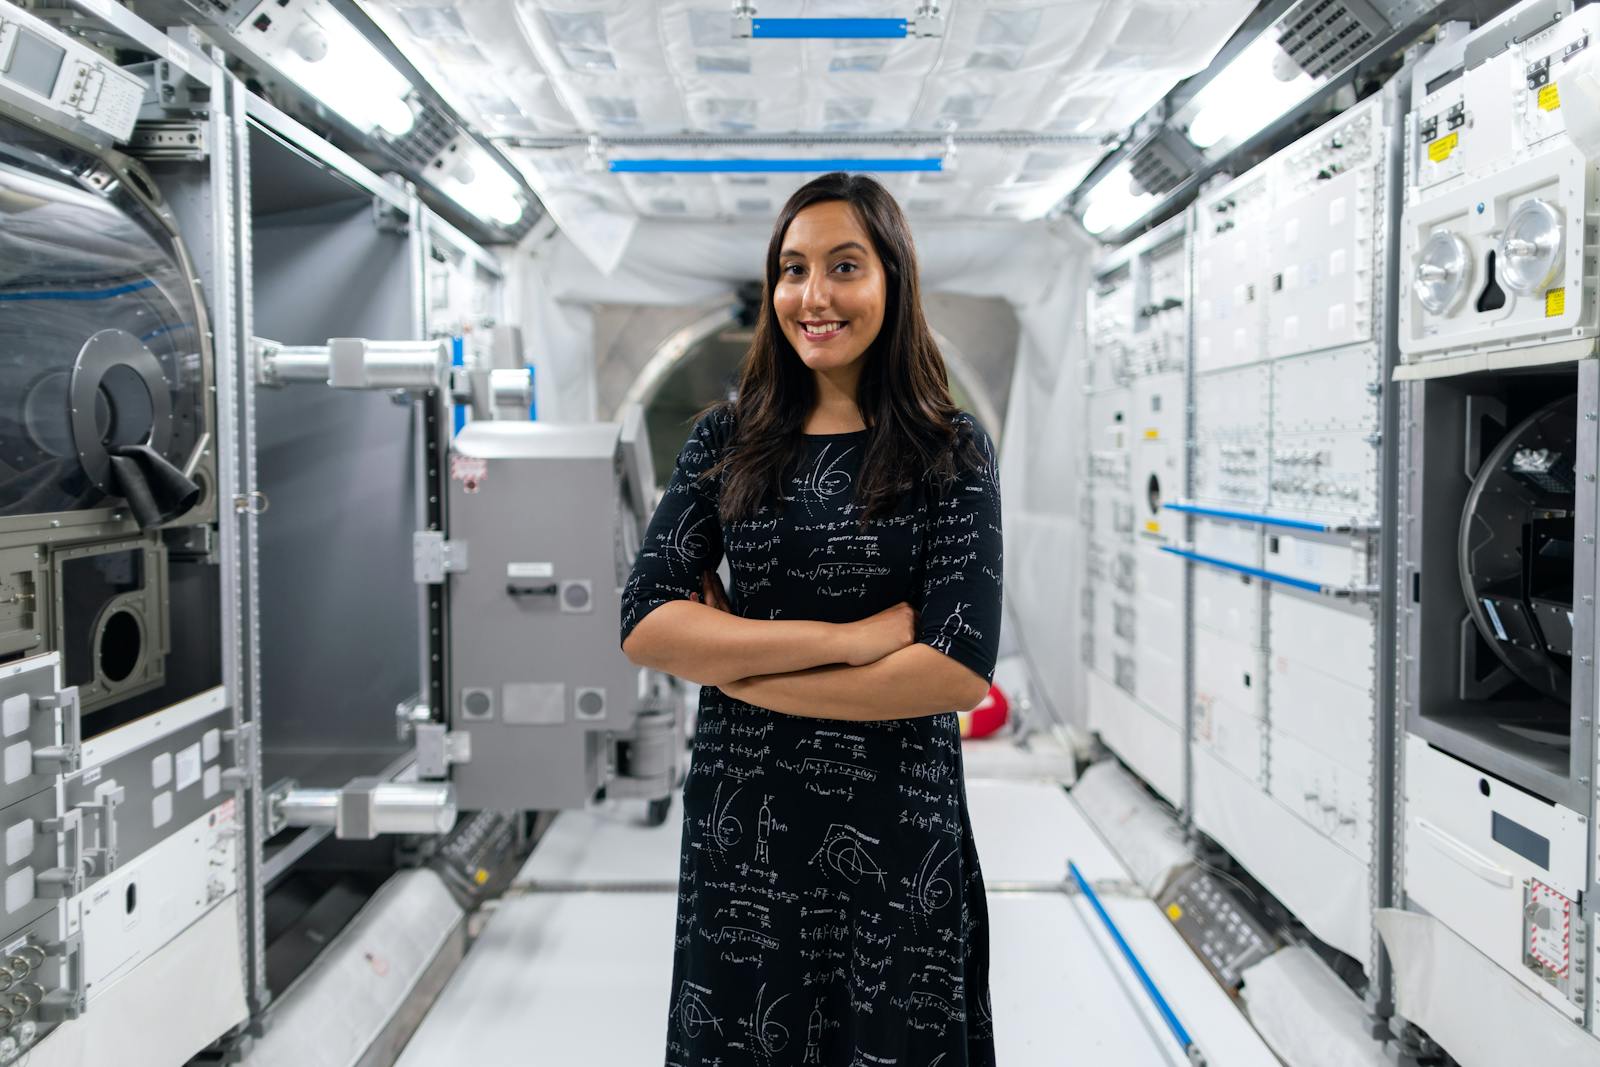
(815, 295)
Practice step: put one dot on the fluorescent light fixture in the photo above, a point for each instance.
(847, 28)
(474, 179)
(1257, 86)
(319, 50)
(773, 166)
(1111, 203)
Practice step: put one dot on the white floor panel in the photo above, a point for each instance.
(558, 979)
(607, 843)
(1057, 999)
(583, 977)
(1026, 832)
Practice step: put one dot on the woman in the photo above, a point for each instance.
(830, 906)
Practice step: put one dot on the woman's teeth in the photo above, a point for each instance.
(823, 331)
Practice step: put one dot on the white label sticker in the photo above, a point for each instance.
(19, 890)
(161, 810)
(189, 766)
(19, 842)
(161, 771)
(14, 714)
(530, 570)
(18, 762)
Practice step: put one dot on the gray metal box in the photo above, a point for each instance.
(545, 518)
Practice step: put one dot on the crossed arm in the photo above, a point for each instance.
(870, 670)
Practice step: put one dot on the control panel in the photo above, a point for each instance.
(47, 68)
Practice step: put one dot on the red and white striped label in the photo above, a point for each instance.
(1550, 942)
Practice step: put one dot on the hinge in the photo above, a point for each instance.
(433, 557)
(390, 219)
(182, 139)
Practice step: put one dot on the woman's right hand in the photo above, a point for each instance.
(869, 640)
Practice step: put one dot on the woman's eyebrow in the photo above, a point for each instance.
(787, 252)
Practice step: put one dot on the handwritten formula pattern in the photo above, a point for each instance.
(830, 905)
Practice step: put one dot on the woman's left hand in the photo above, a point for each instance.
(712, 593)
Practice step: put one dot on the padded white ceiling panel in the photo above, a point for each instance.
(614, 68)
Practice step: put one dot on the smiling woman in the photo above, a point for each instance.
(829, 882)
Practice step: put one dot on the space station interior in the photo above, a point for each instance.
(347, 348)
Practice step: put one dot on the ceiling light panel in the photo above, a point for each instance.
(619, 68)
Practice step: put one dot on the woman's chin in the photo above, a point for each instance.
(823, 360)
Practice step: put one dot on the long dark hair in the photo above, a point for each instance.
(903, 392)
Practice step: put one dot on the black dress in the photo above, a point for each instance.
(830, 906)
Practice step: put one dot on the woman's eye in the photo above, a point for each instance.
(847, 263)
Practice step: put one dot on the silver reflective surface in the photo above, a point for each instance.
(1444, 269)
(1530, 247)
(76, 262)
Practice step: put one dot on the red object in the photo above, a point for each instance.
(990, 714)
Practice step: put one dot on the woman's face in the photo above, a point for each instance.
(828, 275)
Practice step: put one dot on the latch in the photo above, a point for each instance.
(243, 740)
(71, 997)
(67, 756)
(439, 747)
(65, 881)
(433, 557)
(101, 859)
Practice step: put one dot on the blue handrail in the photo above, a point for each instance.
(774, 166)
(1250, 516)
(1178, 1032)
(818, 27)
(1256, 572)
(1263, 519)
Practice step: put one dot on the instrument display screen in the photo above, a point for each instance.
(35, 62)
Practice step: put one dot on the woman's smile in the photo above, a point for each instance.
(822, 331)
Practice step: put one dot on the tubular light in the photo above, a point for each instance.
(477, 181)
(329, 58)
(1112, 204)
(1259, 84)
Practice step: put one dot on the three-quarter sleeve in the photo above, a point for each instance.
(684, 538)
(959, 601)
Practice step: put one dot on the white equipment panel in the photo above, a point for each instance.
(130, 914)
(1135, 420)
(1498, 240)
(1288, 389)
(1502, 868)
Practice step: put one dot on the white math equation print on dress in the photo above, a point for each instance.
(831, 907)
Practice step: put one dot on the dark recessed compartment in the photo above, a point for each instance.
(1501, 505)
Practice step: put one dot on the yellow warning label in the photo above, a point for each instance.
(1549, 98)
(481, 876)
(1440, 150)
(1174, 912)
(1152, 527)
(1151, 435)
(1555, 303)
